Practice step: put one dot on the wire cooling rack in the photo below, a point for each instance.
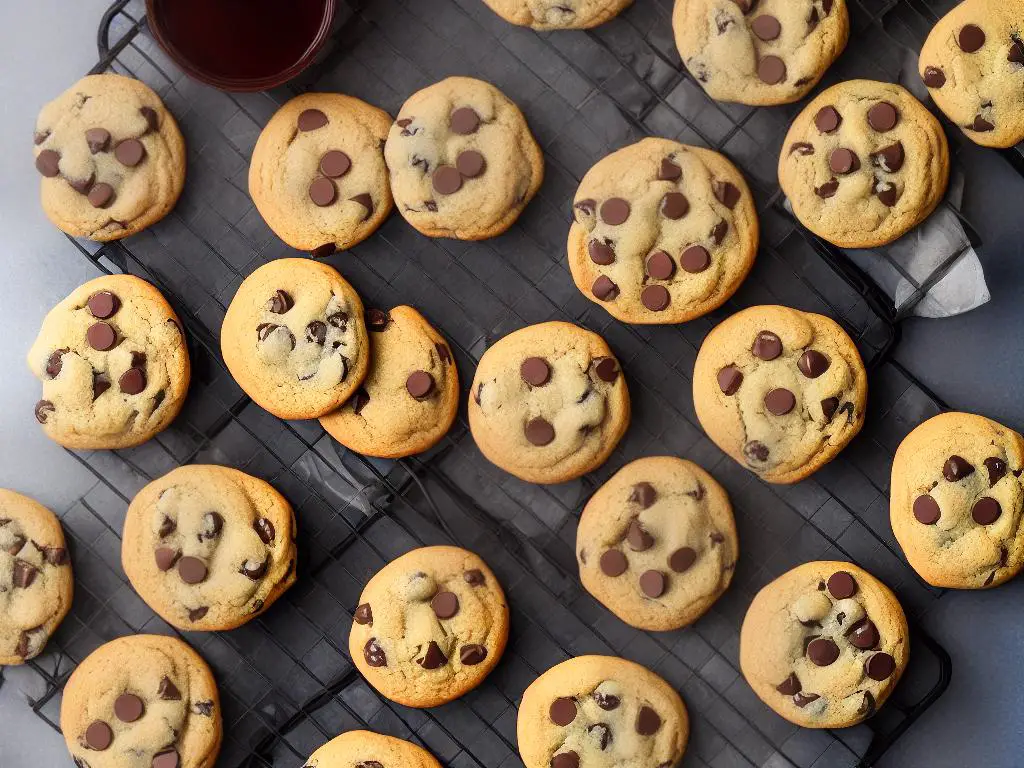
(286, 680)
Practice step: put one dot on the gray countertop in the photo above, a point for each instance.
(973, 362)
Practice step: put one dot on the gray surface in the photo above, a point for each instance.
(982, 631)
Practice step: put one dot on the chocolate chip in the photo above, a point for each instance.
(101, 195)
(674, 205)
(643, 493)
(604, 289)
(445, 605)
(766, 27)
(934, 77)
(39, 137)
(695, 259)
(614, 211)
(204, 708)
(827, 190)
(639, 539)
(827, 119)
(166, 759)
(1016, 53)
(433, 657)
(132, 381)
(813, 363)
(886, 193)
(601, 733)
(24, 573)
(755, 450)
(655, 297)
(464, 121)
(727, 193)
(880, 666)
(15, 547)
(130, 152)
(822, 651)
(863, 634)
(377, 319)
(316, 332)
(98, 735)
(98, 140)
(101, 337)
(52, 555)
(446, 180)
(842, 161)
(842, 585)
(474, 577)
(363, 199)
(53, 362)
(311, 120)
(926, 510)
(766, 346)
(192, 570)
(374, 654)
(128, 707)
(729, 379)
(803, 699)
(586, 207)
(647, 722)
(470, 163)
(82, 186)
(889, 158)
(100, 384)
(970, 38)
(801, 148)
(360, 400)
(565, 760)
(957, 468)
(562, 711)
(613, 563)
(151, 117)
(669, 171)
(166, 558)
(606, 701)
(790, 686)
(718, 231)
(419, 384)
(606, 368)
(779, 401)
(771, 70)
(682, 559)
(745, 5)
(883, 116)
(986, 510)
(600, 253)
(981, 125)
(322, 191)
(265, 530)
(255, 569)
(103, 304)
(279, 303)
(996, 469)
(472, 654)
(335, 164)
(539, 432)
(652, 583)
(48, 163)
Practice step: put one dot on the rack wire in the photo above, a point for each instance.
(286, 680)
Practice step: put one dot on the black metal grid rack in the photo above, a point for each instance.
(286, 681)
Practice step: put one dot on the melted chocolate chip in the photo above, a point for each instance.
(374, 654)
(790, 686)
(647, 722)
(432, 658)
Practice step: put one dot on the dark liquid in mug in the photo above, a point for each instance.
(241, 39)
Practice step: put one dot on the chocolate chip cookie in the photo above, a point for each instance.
(601, 712)
(462, 160)
(366, 749)
(111, 158)
(209, 547)
(548, 402)
(864, 163)
(142, 700)
(973, 65)
(35, 577)
(760, 53)
(656, 544)
(317, 174)
(430, 626)
(779, 390)
(824, 644)
(294, 338)
(956, 501)
(411, 394)
(663, 232)
(113, 363)
(558, 14)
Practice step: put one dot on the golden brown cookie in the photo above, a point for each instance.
(656, 544)
(411, 394)
(824, 644)
(366, 749)
(113, 363)
(430, 626)
(558, 14)
(779, 390)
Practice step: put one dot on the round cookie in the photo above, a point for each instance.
(317, 174)
(759, 53)
(956, 501)
(549, 402)
(663, 232)
(111, 157)
(142, 700)
(462, 160)
(601, 712)
(367, 749)
(779, 390)
(656, 544)
(36, 584)
(973, 65)
(558, 14)
(294, 338)
(824, 644)
(430, 626)
(411, 394)
(208, 547)
(113, 363)
(864, 163)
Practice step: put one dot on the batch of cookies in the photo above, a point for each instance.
(661, 233)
